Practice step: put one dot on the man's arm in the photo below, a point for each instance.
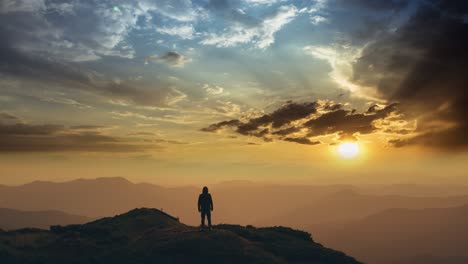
(211, 203)
(199, 203)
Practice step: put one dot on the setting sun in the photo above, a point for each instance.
(348, 150)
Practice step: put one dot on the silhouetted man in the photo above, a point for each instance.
(205, 206)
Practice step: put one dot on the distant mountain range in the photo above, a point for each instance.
(431, 235)
(14, 219)
(151, 236)
(347, 205)
(92, 198)
(235, 202)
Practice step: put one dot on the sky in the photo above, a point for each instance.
(183, 92)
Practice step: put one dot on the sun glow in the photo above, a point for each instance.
(348, 150)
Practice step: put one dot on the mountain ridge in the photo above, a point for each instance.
(146, 235)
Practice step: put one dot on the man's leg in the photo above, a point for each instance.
(209, 219)
(202, 218)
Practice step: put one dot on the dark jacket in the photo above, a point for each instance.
(205, 203)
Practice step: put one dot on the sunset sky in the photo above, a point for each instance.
(186, 92)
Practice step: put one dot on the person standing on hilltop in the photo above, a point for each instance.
(205, 206)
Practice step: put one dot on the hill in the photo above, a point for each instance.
(151, 236)
(431, 235)
(15, 219)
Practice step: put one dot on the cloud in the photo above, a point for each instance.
(171, 58)
(85, 30)
(231, 12)
(21, 137)
(318, 6)
(428, 79)
(68, 36)
(315, 20)
(7, 118)
(128, 94)
(282, 116)
(218, 126)
(64, 101)
(262, 2)
(38, 71)
(29, 66)
(8, 6)
(385, 5)
(184, 31)
(25, 129)
(302, 140)
(305, 123)
(226, 108)
(261, 34)
(179, 10)
(142, 133)
(180, 120)
(89, 127)
(316, 12)
(348, 123)
(174, 96)
(341, 59)
(213, 90)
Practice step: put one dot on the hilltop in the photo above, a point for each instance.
(152, 236)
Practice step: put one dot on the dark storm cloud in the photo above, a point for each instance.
(54, 138)
(299, 122)
(424, 66)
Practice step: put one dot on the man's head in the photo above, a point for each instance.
(205, 190)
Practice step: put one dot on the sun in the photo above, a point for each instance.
(348, 150)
